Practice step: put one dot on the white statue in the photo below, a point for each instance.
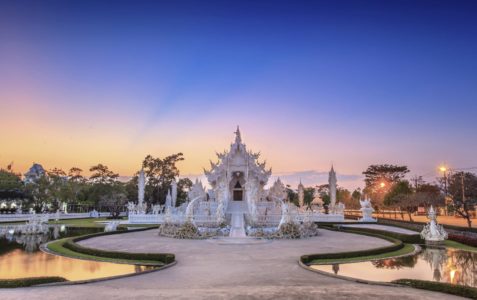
(168, 199)
(168, 216)
(156, 209)
(94, 214)
(131, 207)
(174, 193)
(339, 208)
(190, 209)
(433, 232)
(64, 207)
(111, 226)
(367, 211)
(286, 216)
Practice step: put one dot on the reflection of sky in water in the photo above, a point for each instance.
(443, 265)
(20, 257)
(18, 264)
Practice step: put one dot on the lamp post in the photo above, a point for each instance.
(443, 169)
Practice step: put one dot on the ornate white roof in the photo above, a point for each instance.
(238, 159)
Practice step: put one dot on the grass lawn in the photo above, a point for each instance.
(89, 222)
(57, 246)
(407, 249)
(457, 245)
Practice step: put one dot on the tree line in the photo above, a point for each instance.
(101, 189)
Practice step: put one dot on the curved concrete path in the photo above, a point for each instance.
(208, 270)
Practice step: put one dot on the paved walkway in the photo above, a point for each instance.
(207, 270)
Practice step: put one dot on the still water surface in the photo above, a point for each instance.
(20, 258)
(433, 264)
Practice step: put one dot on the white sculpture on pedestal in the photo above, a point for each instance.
(174, 193)
(168, 216)
(367, 211)
(111, 226)
(433, 232)
(169, 199)
(141, 184)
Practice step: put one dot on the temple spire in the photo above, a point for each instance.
(238, 137)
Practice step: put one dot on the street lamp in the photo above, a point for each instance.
(444, 171)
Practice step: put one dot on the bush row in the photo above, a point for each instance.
(25, 282)
(402, 223)
(463, 239)
(397, 245)
(458, 290)
(72, 245)
(406, 238)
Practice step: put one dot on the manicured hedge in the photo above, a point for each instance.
(406, 238)
(72, 245)
(466, 240)
(397, 245)
(25, 282)
(453, 289)
(402, 223)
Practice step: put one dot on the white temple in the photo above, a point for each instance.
(237, 196)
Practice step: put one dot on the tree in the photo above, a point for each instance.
(309, 194)
(76, 183)
(101, 174)
(344, 196)
(356, 195)
(160, 173)
(114, 202)
(292, 196)
(324, 193)
(183, 187)
(131, 188)
(58, 187)
(408, 199)
(38, 192)
(379, 179)
(462, 188)
(10, 180)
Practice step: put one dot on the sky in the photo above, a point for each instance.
(311, 83)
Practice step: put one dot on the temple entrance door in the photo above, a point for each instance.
(238, 192)
(238, 195)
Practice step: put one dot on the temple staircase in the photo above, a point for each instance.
(237, 209)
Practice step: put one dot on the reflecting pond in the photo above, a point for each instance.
(433, 264)
(20, 257)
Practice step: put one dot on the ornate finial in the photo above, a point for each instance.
(238, 137)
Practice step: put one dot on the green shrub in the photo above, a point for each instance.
(25, 282)
(406, 238)
(397, 245)
(72, 245)
(453, 289)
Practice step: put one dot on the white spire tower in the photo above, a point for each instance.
(141, 183)
(301, 194)
(332, 184)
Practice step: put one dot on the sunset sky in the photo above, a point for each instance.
(311, 83)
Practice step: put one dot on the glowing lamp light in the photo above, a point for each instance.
(382, 184)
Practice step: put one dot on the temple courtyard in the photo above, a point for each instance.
(209, 269)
